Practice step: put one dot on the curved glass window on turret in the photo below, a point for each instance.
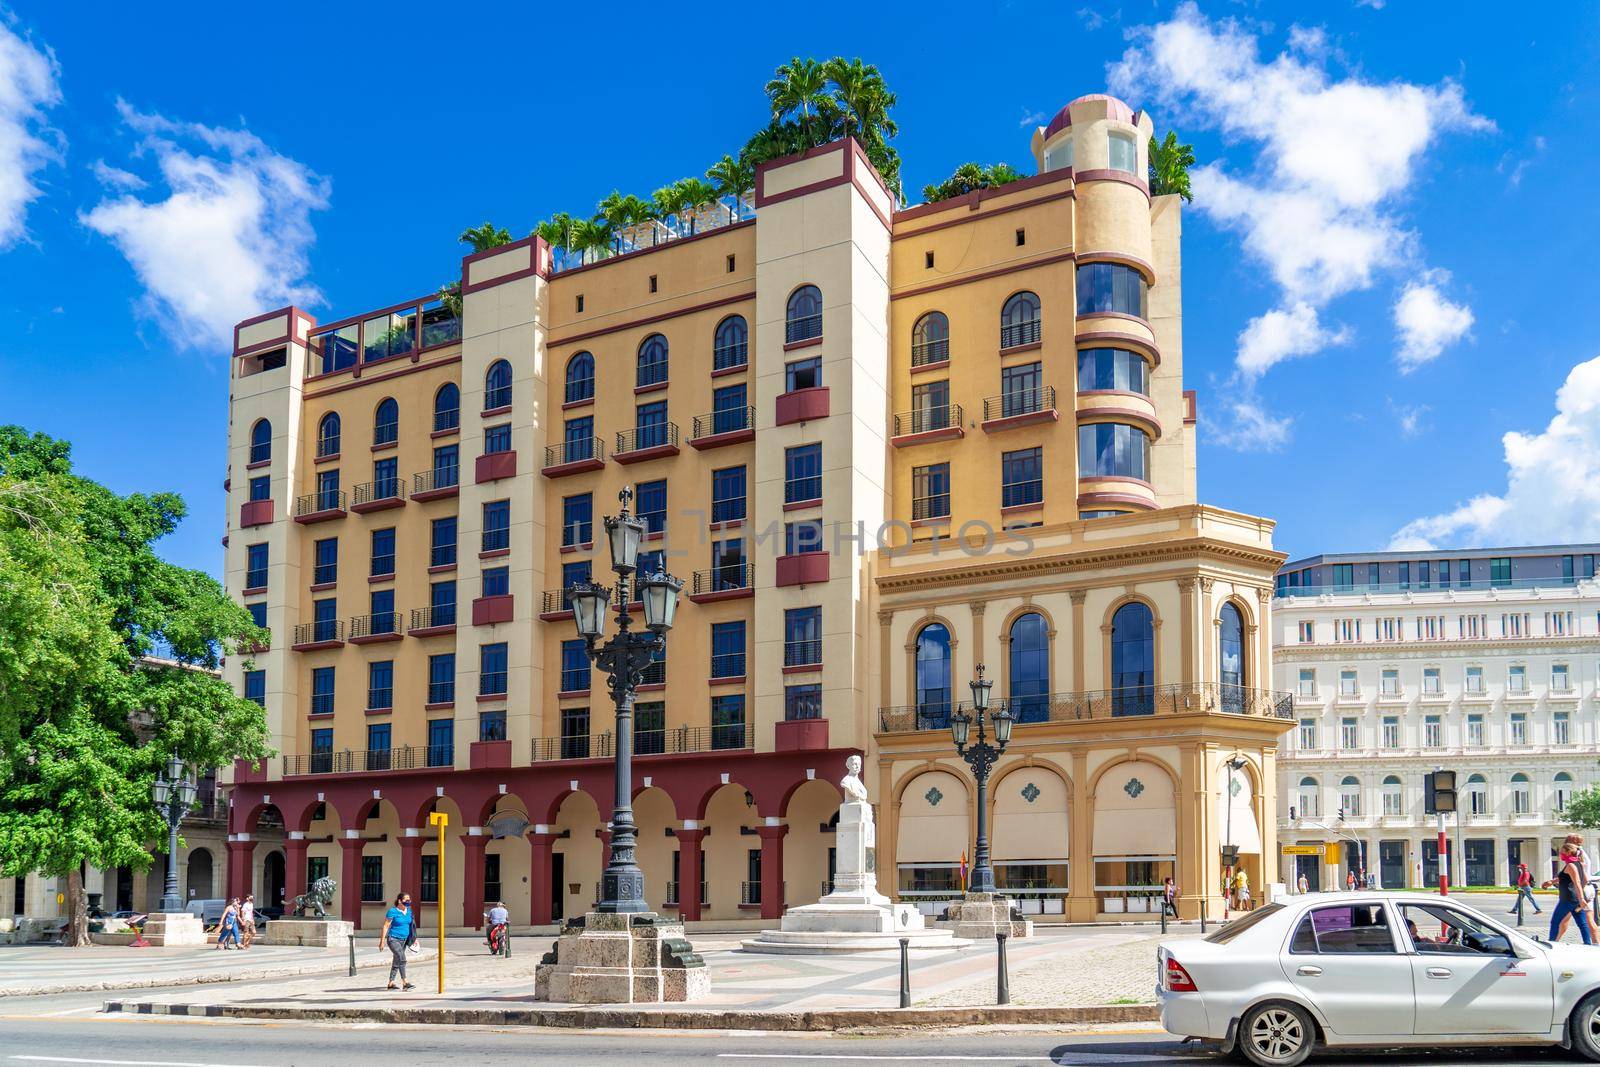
(1113, 450)
(1104, 287)
(1112, 368)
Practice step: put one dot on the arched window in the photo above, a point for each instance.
(328, 435)
(1477, 795)
(1521, 794)
(933, 677)
(1310, 804)
(386, 422)
(1393, 796)
(580, 378)
(1563, 790)
(1133, 660)
(1019, 320)
(652, 360)
(1350, 797)
(1113, 450)
(730, 346)
(1230, 658)
(497, 386)
(447, 407)
(1030, 669)
(1114, 288)
(930, 339)
(1114, 370)
(261, 441)
(804, 318)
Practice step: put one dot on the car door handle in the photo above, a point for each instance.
(1309, 971)
(1438, 972)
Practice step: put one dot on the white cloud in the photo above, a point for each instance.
(116, 177)
(229, 238)
(1032, 118)
(1278, 335)
(1246, 426)
(1092, 19)
(1552, 493)
(29, 87)
(1376, 5)
(1428, 324)
(1411, 419)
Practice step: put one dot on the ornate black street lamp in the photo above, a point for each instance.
(981, 756)
(174, 793)
(624, 659)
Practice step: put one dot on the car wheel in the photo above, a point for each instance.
(1276, 1035)
(1584, 1027)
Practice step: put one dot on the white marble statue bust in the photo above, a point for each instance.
(851, 784)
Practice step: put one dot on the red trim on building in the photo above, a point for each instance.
(801, 405)
(495, 466)
(577, 466)
(489, 610)
(803, 568)
(718, 440)
(255, 513)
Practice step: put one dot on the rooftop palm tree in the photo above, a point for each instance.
(591, 238)
(800, 88)
(482, 238)
(694, 194)
(862, 99)
(732, 177)
(968, 177)
(1169, 167)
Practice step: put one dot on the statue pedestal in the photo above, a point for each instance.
(983, 915)
(170, 928)
(855, 917)
(605, 958)
(308, 933)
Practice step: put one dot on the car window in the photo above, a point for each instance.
(1439, 930)
(1344, 928)
(1243, 923)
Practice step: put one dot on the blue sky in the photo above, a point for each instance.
(1404, 353)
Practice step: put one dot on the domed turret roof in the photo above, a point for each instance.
(1115, 109)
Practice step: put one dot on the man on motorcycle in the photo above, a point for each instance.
(499, 919)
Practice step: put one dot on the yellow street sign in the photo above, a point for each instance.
(1302, 850)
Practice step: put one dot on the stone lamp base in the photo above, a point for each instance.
(320, 933)
(174, 928)
(605, 958)
(983, 915)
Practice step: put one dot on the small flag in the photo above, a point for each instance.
(963, 870)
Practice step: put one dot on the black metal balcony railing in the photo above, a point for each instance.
(383, 622)
(802, 653)
(736, 354)
(802, 328)
(673, 740)
(728, 420)
(574, 451)
(321, 500)
(1013, 334)
(306, 633)
(434, 615)
(579, 390)
(440, 755)
(724, 578)
(750, 892)
(405, 758)
(446, 477)
(1206, 698)
(1019, 402)
(728, 509)
(654, 435)
(446, 419)
(924, 420)
(936, 506)
(926, 352)
(373, 492)
(655, 673)
(672, 895)
(728, 665)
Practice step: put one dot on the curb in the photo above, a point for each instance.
(670, 1019)
(339, 966)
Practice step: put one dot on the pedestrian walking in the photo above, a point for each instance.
(1304, 884)
(1169, 897)
(396, 934)
(1569, 882)
(247, 920)
(228, 927)
(1524, 889)
(1350, 882)
(1241, 889)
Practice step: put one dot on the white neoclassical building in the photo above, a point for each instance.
(1485, 662)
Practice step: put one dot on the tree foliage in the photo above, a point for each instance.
(1583, 809)
(969, 177)
(1169, 167)
(87, 714)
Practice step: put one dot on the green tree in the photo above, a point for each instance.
(732, 177)
(86, 715)
(592, 238)
(482, 238)
(799, 88)
(1169, 167)
(969, 177)
(1583, 809)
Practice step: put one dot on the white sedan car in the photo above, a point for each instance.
(1376, 969)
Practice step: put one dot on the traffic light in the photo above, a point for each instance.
(1292, 815)
(1439, 792)
(1230, 855)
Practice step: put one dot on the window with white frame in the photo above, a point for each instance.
(1517, 679)
(1308, 681)
(1347, 684)
(1393, 796)
(1557, 623)
(1350, 797)
(1517, 728)
(1307, 632)
(1474, 679)
(1477, 795)
(1346, 630)
(1387, 628)
(1521, 794)
(1310, 806)
(1432, 732)
(1430, 627)
(1390, 682)
(1308, 735)
(1391, 731)
(1430, 681)
(1561, 728)
(1560, 678)
(1563, 784)
(1515, 624)
(1474, 731)
(1349, 733)
(1474, 626)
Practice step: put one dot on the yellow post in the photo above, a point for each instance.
(441, 820)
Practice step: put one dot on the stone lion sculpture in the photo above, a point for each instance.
(314, 902)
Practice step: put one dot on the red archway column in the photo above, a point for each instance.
(771, 870)
(472, 875)
(691, 864)
(295, 847)
(539, 873)
(350, 879)
(411, 842)
(240, 852)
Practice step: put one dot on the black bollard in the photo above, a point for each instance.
(1202, 915)
(505, 942)
(905, 972)
(1163, 914)
(1520, 899)
(352, 955)
(1002, 980)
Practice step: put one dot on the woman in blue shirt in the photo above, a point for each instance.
(398, 924)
